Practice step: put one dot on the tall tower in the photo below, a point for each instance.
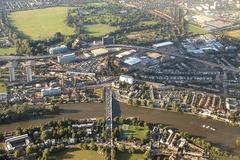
(29, 73)
(11, 68)
(28, 66)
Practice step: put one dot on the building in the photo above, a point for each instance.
(132, 61)
(75, 44)
(3, 96)
(232, 104)
(17, 142)
(163, 44)
(29, 73)
(108, 40)
(57, 50)
(125, 53)
(11, 66)
(99, 52)
(28, 66)
(67, 58)
(51, 91)
(153, 55)
(126, 79)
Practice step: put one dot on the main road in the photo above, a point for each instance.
(211, 64)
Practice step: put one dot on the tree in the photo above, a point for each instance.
(147, 154)
(114, 154)
(93, 146)
(121, 148)
(19, 131)
(17, 153)
(29, 150)
(44, 135)
(45, 154)
(238, 141)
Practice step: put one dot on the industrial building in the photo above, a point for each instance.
(125, 53)
(99, 52)
(57, 50)
(126, 79)
(132, 61)
(51, 91)
(67, 58)
(17, 142)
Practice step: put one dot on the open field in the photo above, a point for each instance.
(135, 131)
(234, 34)
(127, 156)
(97, 30)
(42, 23)
(3, 88)
(76, 154)
(7, 51)
(196, 30)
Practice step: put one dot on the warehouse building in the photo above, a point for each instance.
(132, 61)
(67, 58)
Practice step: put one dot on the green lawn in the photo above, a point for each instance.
(3, 88)
(7, 51)
(135, 131)
(127, 156)
(196, 30)
(149, 22)
(76, 154)
(234, 34)
(42, 23)
(97, 30)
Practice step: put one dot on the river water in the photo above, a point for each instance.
(224, 136)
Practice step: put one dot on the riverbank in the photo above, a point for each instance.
(224, 137)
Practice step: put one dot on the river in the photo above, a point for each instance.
(224, 136)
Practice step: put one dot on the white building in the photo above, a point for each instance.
(163, 44)
(132, 61)
(57, 50)
(67, 58)
(126, 79)
(17, 142)
(51, 91)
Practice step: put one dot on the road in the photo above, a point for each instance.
(211, 64)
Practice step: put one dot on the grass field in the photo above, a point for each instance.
(196, 30)
(149, 22)
(42, 23)
(7, 51)
(127, 156)
(3, 88)
(97, 30)
(75, 154)
(234, 34)
(135, 131)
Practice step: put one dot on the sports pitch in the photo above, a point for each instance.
(42, 23)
